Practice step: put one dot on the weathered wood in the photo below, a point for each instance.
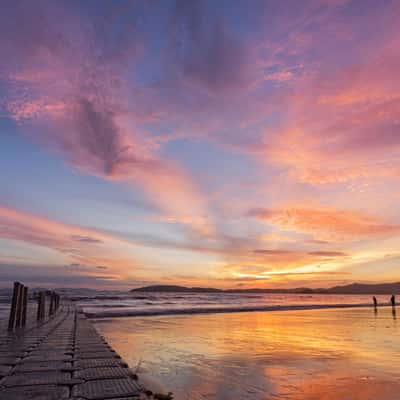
(42, 366)
(35, 378)
(24, 305)
(90, 374)
(51, 304)
(4, 370)
(63, 357)
(18, 318)
(37, 392)
(13, 310)
(48, 357)
(103, 362)
(44, 305)
(107, 388)
(41, 306)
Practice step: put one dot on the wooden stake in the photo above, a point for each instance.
(18, 313)
(14, 302)
(24, 305)
(41, 306)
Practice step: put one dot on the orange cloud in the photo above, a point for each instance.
(83, 109)
(328, 222)
(78, 245)
(343, 125)
(18, 225)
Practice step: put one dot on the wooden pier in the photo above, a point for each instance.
(64, 357)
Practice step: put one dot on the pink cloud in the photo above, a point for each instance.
(342, 122)
(66, 88)
(18, 225)
(326, 222)
(76, 245)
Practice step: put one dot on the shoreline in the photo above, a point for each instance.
(221, 310)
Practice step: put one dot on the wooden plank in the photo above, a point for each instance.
(9, 360)
(38, 392)
(50, 354)
(35, 378)
(4, 370)
(104, 362)
(97, 349)
(42, 366)
(15, 354)
(104, 373)
(101, 354)
(106, 389)
(48, 358)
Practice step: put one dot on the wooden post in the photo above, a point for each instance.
(52, 303)
(44, 304)
(14, 301)
(18, 319)
(41, 306)
(56, 300)
(24, 305)
(38, 307)
(43, 314)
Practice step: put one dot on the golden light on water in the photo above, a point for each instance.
(324, 354)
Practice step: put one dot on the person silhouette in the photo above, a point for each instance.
(375, 302)
(393, 300)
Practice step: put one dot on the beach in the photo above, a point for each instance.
(330, 354)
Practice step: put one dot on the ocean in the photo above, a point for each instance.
(120, 304)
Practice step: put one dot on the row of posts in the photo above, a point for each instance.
(18, 306)
(19, 303)
(54, 304)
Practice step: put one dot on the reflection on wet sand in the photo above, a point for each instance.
(320, 354)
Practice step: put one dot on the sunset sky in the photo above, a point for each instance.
(206, 143)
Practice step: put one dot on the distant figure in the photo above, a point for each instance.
(375, 302)
(393, 300)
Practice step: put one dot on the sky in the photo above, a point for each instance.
(200, 143)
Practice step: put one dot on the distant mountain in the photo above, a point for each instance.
(361, 288)
(354, 288)
(175, 289)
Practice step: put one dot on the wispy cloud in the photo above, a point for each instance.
(84, 249)
(331, 223)
(65, 87)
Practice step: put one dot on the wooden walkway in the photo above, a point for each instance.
(64, 358)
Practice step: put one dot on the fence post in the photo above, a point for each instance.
(14, 302)
(56, 301)
(51, 304)
(24, 305)
(19, 306)
(41, 306)
(38, 307)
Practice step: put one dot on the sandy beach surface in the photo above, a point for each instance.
(350, 354)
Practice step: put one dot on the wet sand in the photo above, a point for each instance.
(347, 354)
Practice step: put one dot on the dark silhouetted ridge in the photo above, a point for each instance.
(354, 288)
(175, 289)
